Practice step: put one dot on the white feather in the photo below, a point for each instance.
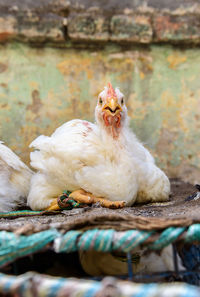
(97, 263)
(14, 180)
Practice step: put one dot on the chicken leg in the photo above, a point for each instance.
(54, 205)
(82, 196)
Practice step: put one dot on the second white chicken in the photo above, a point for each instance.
(14, 180)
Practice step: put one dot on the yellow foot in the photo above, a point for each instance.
(82, 196)
(54, 205)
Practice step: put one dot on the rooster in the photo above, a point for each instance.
(14, 180)
(101, 162)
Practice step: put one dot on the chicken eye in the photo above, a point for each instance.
(122, 101)
(100, 101)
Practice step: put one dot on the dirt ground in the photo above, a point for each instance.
(177, 205)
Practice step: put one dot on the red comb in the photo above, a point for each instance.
(111, 91)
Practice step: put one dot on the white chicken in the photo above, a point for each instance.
(14, 180)
(98, 263)
(96, 162)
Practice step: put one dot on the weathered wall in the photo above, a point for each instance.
(41, 88)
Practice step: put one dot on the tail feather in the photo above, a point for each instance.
(14, 180)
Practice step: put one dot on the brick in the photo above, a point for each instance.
(131, 28)
(177, 28)
(88, 27)
(36, 28)
(8, 28)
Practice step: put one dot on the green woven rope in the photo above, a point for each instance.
(22, 213)
(67, 203)
(67, 242)
(168, 236)
(40, 285)
(127, 241)
(99, 240)
(193, 233)
(13, 246)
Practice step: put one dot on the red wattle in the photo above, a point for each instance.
(118, 121)
(105, 118)
(112, 121)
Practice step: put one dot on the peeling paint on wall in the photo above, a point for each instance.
(42, 88)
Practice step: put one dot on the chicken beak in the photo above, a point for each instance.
(112, 106)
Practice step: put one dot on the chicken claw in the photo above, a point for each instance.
(54, 205)
(82, 196)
